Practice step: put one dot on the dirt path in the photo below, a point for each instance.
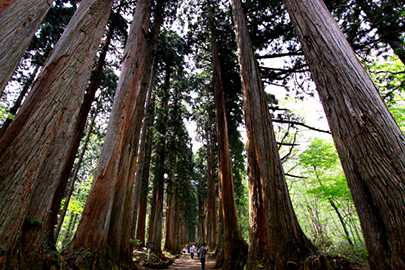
(185, 262)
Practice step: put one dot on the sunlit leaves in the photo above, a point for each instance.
(325, 175)
(389, 76)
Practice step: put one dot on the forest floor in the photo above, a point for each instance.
(185, 262)
(171, 262)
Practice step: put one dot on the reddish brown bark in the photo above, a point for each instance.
(369, 142)
(235, 249)
(169, 225)
(82, 118)
(74, 178)
(140, 165)
(156, 213)
(105, 222)
(211, 219)
(141, 222)
(210, 234)
(285, 239)
(19, 20)
(201, 213)
(39, 145)
(172, 208)
(257, 221)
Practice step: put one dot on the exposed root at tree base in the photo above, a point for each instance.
(237, 261)
(154, 262)
(313, 262)
(86, 259)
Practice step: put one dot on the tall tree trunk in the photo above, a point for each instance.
(235, 248)
(141, 224)
(221, 234)
(170, 210)
(140, 165)
(74, 178)
(201, 212)
(83, 115)
(106, 219)
(39, 146)
(285, 239)
(211, 199)
(176, 223)
(171, 200)
(19, 20)
(369, 142)
(156, 213)
(257, 222)
(76, 137)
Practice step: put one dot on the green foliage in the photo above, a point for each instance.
(356, 254)
(4, 114)
(135, 242)
(389, 75)
(321, 163)
(320, 196)
(33, 221)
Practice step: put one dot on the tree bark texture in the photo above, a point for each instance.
(106, 217)
(156, 213)
(211, 199)
(235, 249)
(370, 144)
(141, 221)
(172, 206)
(170, 217)
(38, 147)
(140, 165)
(75, 172)
(201, 213)
(82, 118)
(285, 239)
(257, 221)
(19, 20)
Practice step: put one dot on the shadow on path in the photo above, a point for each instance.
(185, 262)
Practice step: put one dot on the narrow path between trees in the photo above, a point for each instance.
(185, 262)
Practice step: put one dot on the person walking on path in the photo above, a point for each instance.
(192, 252)
(203, 253)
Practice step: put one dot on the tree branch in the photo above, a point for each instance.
(295, 176)
(277, 55)
(300, 124)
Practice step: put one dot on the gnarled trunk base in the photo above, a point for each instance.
(105, 259)
(238, 258)
(26, 257)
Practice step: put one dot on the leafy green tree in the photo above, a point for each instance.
(323, 168)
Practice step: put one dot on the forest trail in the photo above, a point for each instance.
(185, 262)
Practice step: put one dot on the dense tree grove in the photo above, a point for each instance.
(270, 131)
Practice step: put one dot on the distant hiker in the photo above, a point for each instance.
(192, 252)
(203, 253)
(198, 251)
